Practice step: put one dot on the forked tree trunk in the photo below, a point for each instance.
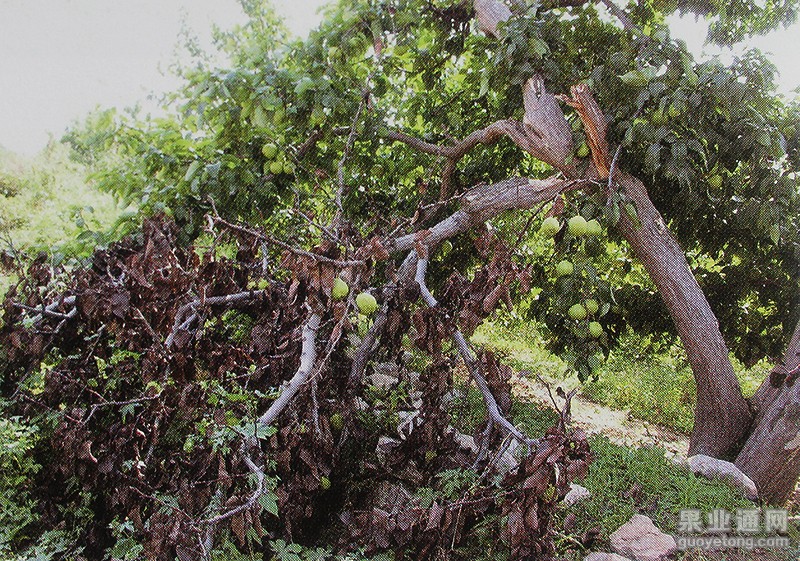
(771, 456)
(722, 417)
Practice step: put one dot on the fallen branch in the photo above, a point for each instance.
(50, 309)
(478, 205)
(308, 357)
(472, 364)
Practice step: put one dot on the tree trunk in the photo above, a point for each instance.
(722, 417)
(771, 456)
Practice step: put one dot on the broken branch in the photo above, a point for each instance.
(308, 357)
(472, 364)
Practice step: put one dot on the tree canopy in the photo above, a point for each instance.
(718, 147)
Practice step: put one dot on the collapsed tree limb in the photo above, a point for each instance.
(308, 357)
(478, 205)
(473, 366)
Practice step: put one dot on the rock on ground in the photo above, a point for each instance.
(575, 494)
(639, 539)
(598, 556)
(712, 468)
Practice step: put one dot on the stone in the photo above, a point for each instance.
(381, 381)
(600, 556)
(576, 494)
(466, 442)
(508, 460)
(384, 448)
(639, 539)
(409, 420)
(713, 468)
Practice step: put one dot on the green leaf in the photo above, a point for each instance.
(269, 502)
(630, 210)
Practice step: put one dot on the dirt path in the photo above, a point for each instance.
(619, 426)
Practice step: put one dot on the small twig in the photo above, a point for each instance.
(97, 406)
(251, 501)
(342, 264)
(348, 145)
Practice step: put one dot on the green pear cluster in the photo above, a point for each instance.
(278, 163)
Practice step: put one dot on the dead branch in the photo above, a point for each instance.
(472, 363)
(478, 205)
(594, 123)
(308, 357)
(50, 309)
(185, 314)
(367, 346)
(97, 406)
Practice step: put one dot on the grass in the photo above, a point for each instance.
(622, 481)
(658, 388)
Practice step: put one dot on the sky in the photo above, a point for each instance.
(59, 59)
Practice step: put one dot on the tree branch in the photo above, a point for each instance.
(472, 364)
(308, 357)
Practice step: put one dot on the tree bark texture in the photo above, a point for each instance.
(722, 416)
(771, 456)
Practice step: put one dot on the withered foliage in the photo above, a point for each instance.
(145, 367)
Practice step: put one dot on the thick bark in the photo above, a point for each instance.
(771, 456)
(722, 417)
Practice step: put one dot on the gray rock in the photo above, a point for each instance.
(509, 459)
(413, 377)
(639, 539)
(712, 468)
(384, 447)
(576, 494)
(600, 556)
(465, 442)
(382, 381)
(390, 369)
(408, 422)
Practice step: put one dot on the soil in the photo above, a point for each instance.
(619, 426)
